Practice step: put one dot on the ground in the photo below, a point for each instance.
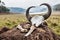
(10, 20)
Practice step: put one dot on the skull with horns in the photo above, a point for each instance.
(37, 20)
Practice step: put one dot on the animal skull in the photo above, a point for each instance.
(37, 20)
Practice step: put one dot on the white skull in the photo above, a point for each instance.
(37, 20)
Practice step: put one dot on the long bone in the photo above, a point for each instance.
(37, 20)
(21, 28)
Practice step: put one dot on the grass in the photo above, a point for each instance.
(54, 23)
(10, 20)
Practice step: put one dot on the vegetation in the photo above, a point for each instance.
(54, 23)
(2, 7)
(10, 20)
(57, 7)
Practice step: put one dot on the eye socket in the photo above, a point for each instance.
(40, 25)
(34, 25)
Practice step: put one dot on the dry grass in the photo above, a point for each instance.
(10, 20)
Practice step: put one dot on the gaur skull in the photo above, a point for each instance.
(37, 20)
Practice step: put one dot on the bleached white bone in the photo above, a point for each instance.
(37, 20)
(20, 28)
(31, 30)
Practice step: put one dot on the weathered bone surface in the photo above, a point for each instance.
(31, 30)
(45, 16)
(21, 28)
(37, 20)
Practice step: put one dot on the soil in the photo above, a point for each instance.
(43, 32)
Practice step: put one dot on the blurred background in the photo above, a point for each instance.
(12, 12)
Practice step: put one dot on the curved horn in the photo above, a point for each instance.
(27, 13)
(49, 11)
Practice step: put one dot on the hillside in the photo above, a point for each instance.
(56, 7)
(22, 10)
(16, 10)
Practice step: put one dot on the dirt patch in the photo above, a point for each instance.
(41, 33)
(4, 29)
